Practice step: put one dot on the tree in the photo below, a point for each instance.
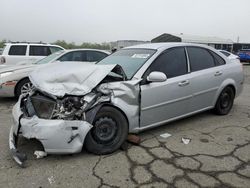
(72, 45)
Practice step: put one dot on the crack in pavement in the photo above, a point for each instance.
(156, 177)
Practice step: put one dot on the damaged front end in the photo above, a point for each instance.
(50, 122)
(60, 114)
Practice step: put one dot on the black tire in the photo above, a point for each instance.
(225, 101)
(20, 85)
(110, 130)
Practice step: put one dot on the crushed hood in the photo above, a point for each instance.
(72, 78)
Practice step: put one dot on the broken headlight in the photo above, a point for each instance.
(43, 106)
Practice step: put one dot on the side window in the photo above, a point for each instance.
(199, 58)
(66, 57)
(39, 50)
(218, 60)
(18, 50)
(54, 49)
(173, 63)
(74, 56)
(93, 56)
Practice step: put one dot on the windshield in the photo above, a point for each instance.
(50, 57)
(129, 59)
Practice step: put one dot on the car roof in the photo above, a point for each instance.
(28, 43)
(156, 46)
(87, 49)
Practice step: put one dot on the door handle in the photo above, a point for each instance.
(218, 73)
(183, 83)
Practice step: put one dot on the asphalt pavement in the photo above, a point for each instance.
(217, 155)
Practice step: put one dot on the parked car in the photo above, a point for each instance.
(16, 52)
(14, 80)
(244, 55)
(230, 55)
(134, 89)
(1, 51)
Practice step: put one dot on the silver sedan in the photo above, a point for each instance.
(136, 88)
(14, 80)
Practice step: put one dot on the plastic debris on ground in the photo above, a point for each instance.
(165, 135)
(51, 180)
(185, 140)
(40, 154)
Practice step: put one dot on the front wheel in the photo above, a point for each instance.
(23, 87)
(110, 130)
(225, 101)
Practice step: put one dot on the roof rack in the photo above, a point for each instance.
(16, 42)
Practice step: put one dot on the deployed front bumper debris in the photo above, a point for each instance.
(56, 136)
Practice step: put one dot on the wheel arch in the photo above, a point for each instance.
(96, 109)
(15, 90)
(119, 109)
(227, 83)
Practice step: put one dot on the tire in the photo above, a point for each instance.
(20, 86)
(110, 130)
(225, 101)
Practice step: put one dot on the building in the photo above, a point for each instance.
(239, 46)
(216, 42)
(125, 43)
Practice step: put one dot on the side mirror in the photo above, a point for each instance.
(156, 77)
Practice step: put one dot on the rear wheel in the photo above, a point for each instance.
(110, 130)
(225, 101)
(23, 87)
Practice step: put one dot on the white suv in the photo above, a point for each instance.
(17, 52)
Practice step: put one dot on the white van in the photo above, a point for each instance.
(17, 52)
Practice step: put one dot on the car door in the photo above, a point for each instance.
(38, 52)
(205, 78)
(163, 101)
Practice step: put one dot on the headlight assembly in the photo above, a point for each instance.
(43, 106)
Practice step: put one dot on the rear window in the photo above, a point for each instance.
(18, 50)
(39, 51)
(94, 56)
(225, 53)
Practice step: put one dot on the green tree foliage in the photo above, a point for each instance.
(2, 43)
(72, 45)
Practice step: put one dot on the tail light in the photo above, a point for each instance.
(2, 60)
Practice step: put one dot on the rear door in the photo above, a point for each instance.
(38, 52)
(162, 101)
(207, 74)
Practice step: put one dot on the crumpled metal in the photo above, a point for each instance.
(74, 78)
